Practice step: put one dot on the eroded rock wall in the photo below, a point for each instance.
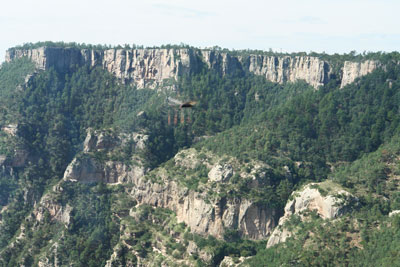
(328, 206)
(203, 216)
(354, 70)
(150, 68)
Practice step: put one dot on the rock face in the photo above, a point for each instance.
(309, 199)
(204, 214)
(150, 68)
(220, 173)
(394, 213)
(87, 169)
(208, 217)
(354, 70)
(289, 69)
(144, 67)
(84, 169)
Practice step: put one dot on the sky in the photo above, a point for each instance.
(331, 26)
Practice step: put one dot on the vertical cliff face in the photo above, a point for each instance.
(149, 68)
(354, 70)
(144, 67)
(207, 210)
(222, 62)
(289, 69)
(327, 206)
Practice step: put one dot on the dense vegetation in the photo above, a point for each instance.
(350, 135)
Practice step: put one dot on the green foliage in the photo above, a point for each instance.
(300, 133)
(12, 75)
(92, 232)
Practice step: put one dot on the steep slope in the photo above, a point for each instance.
(366, 235)
(150, 68)
(95, 171)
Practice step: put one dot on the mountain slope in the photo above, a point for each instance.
(96, 171)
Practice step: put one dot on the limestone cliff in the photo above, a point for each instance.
(144, 67)
(206, 210)
(354, 70)
(151, 68)
(88, 167)
(289, 69)
(328, 205)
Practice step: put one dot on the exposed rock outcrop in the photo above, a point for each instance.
(394, 213)
(220, 173)
(202, 212)
(327, 206)
(87, 168)
(144, 67)
(231, 262)
(354, 70)
(208, 217)
(289, 69)
(150, 68)
(10, 129)
(49, 205)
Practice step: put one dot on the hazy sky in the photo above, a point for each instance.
(283, 25)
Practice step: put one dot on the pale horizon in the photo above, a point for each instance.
(285, 26)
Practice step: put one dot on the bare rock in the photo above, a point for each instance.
(204, 215)
(327, 206)
(149, 68)
(290, 69)
(84, 169)
(231, 262)
(20, 158)
(55, 210)
(220, 173)
(354, 70)
(394, 213)
(10, 129)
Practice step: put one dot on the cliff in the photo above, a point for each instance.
(205, 209)
(100, 160)
(214, 203)
(354, 70)
(313, 197)
(144, 67)
(150, 68)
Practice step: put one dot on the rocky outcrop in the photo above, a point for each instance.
(88, 168)
(97, 140)
(354, 70)
(222, 62)
(48, 208)
(144, 67)
(290, 69)
(220, 173)
(329, 206)
(231, 262)
(85, 169)
(394, 213)
(208, 217)
(10, 129)
(204, 214)
(151, 68)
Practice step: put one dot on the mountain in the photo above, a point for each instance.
(286, 159)
(150, 67)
